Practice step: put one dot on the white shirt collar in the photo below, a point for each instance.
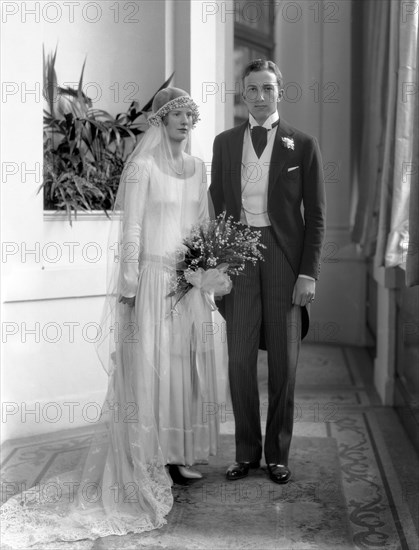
(268, 122)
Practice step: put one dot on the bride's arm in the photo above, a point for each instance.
(135, 177)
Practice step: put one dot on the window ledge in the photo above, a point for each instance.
(61, 215)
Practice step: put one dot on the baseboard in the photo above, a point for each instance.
(43, 417)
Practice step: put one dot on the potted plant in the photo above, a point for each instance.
(84, 148)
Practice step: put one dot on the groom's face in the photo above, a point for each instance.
(261, 94)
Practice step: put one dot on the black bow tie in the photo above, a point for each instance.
(259, 136)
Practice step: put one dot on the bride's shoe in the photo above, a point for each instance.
(189, 473)
(182, 474)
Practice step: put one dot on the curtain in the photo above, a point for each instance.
(387, 166)
(375, 51)
(412, 263)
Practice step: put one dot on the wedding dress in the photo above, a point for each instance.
(162, 377)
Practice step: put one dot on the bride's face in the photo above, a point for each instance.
(178, 123)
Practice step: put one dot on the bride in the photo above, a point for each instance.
(161, 369)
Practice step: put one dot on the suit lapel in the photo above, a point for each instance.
(236, 154)
(280, 155)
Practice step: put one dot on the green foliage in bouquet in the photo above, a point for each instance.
(221, 244)
(84, 148)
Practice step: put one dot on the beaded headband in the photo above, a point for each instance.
(183, 101)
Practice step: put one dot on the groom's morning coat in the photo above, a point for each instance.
(299, 234)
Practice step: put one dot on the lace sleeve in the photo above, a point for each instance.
(136, 178)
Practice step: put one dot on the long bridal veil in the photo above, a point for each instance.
(121, 484)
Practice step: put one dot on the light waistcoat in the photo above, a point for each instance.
(255, 177)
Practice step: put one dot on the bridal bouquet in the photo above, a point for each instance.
(211, 253)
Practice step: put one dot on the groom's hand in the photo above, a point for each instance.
(304, 291)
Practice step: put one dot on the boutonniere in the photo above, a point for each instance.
(288, 143)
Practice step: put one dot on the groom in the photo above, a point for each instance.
(263, 172)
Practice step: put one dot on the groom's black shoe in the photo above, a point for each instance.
(239, 470)
(279, 473)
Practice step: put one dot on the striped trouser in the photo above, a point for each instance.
(261, 303)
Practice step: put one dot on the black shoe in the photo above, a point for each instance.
(239, 470)
(279, 473)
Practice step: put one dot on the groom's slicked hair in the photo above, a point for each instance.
(263, 65)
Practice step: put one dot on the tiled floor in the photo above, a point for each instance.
(355, 474)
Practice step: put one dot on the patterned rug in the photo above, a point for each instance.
(354, 485)
(256, 513)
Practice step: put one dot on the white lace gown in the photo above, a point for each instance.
(161, 392)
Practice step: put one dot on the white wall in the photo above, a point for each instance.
(203, 64)
(124, 50)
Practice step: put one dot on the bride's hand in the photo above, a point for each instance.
(128, 301)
